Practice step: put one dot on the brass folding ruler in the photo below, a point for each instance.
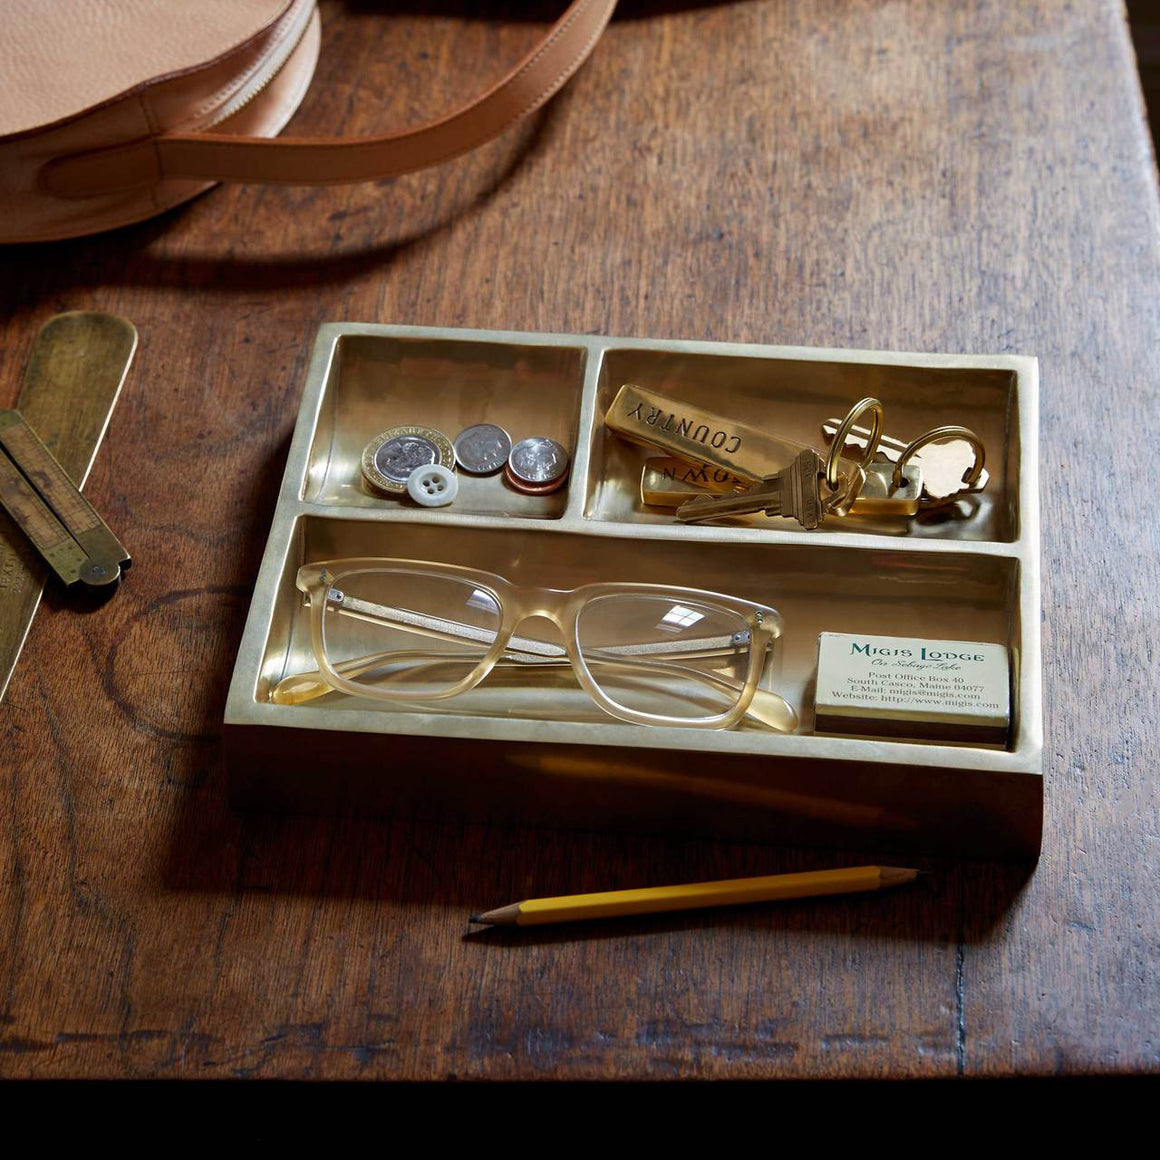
(78, 364)
(63, 526)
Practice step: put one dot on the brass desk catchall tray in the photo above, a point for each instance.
(533, 752)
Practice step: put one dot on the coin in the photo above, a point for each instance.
(538, 460)
(483, 448)
(390, 457)
(533, 488)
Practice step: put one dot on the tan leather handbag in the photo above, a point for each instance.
(115, 110)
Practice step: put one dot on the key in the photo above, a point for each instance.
(795, 492)
(889, 448)
(943, 465)
(943, 468)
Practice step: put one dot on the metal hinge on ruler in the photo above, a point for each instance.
(62, 525)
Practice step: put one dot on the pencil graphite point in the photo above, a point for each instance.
(502, 916)
(897, 875)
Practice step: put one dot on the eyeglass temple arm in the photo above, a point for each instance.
(768, 707)
(443, 629)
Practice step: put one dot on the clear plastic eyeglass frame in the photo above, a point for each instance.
(327, 584)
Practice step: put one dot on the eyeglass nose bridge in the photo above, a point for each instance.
(554, 605)
(543, 604)
(550, 603)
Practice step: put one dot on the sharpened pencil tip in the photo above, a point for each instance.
(475, 918)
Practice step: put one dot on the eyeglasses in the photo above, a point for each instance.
(403, 631)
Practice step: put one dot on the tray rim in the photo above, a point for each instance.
(243, 708)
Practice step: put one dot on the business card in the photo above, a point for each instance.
(913, 688)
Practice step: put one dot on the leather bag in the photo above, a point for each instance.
(115, 110)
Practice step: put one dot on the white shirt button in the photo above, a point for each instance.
(432, 485)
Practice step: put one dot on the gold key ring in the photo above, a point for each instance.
(840, 502)
(939, 435)
(833, 475)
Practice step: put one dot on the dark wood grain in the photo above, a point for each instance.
(920, 176)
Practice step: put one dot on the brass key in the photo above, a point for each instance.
(795, 492)
(889, 448)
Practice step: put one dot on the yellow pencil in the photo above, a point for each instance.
(695, 895)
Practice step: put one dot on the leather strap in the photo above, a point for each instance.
(332, 161)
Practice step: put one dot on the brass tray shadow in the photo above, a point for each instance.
(544, 753)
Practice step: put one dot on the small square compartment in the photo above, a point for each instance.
(374, 382)
(793, 396)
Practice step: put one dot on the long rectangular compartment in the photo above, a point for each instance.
(520, 750)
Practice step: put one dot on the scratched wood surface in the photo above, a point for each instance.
(912, 175)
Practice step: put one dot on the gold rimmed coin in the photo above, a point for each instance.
(390, 457)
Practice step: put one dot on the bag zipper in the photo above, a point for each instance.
(264, 72)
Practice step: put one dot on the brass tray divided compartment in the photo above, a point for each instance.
(532, 748)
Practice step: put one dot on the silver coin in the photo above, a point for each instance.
(398, 457)
(538, 460)
(483, 448)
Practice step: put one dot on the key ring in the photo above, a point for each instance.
(833, 475)
(938, 435)
(839, 503)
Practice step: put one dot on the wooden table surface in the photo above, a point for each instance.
(911, 175)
